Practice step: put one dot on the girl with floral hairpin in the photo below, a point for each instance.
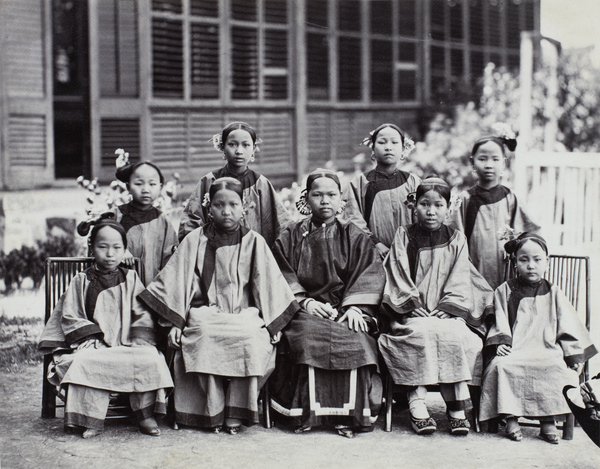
(263, 211)
(151, 236)
(489, 212)
(327, 365)
(376, 200)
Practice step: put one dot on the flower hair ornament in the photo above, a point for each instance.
(408, 145)
(505, 134)
(122, 158)
(411, 200)
(245, 205)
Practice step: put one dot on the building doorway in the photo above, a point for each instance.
(71, 101)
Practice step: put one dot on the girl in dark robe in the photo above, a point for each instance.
(327, 370)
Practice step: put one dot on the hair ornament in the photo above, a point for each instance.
(342, 207)
(84, 227)
(122, 158)
(411, 200)
(513, 246)
(217, 142)
(505, 133)
(408, 147)
(206, 200)
(302, 204)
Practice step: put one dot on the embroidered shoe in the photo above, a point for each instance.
(423, 426)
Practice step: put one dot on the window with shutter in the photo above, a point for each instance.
(437, 14)
(204, 45)
(209, 8)
(276, 11)
(513, 26)
(27, 140)
(381, 17)
(275, 64)
(244, 10)
(167, 58)
(119, 133)
(349, 15)
(494, 25)
(476, 36)
(382, 73)
(167, 6)
(118, 48)
(244, 63)
(317, 49)
(349, 69)
(456, 21)
(407, 17)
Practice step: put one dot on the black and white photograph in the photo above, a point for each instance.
(299, 234)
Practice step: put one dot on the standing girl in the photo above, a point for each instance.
(537, 345)
(486, 210)
(376, 199)
(226, 301)
(433, 311)
(150, 235)
(327, 371)
(112, 339)
(264, 212)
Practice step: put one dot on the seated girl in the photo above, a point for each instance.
(112, 338)
(226, 301)
(433, 311)
(537, 345)
(328, 371)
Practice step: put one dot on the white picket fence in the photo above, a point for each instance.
(562, 193)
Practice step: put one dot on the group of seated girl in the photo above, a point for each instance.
(311, 305)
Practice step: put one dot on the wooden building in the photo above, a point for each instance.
(80, 78)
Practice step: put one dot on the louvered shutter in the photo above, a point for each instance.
(476, 36)
(205, 60)
(437, 20)
(349, 69)
(381, 17)
(244, 63)
(494, 25)
(208, 8)
(381, 70)
(167, 58)
(317, 50)
(349, 15)
(275, 71)
(407, 23)
(26, 111)
(244, 10)
(119, 133)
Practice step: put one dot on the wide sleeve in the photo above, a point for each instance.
(400, 295)
(194, 214)
(170, 241)
(274, 217)
(70, 313)
(176, 287)
(70, 305)
(571, 335)
(465, 294)
(284, 252)
(500, 332)
(364, 286)
(272, 294)
(354, 196)
(142, 322)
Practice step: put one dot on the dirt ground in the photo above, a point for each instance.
(28, 441)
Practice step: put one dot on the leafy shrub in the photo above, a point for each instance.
(28, 261)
